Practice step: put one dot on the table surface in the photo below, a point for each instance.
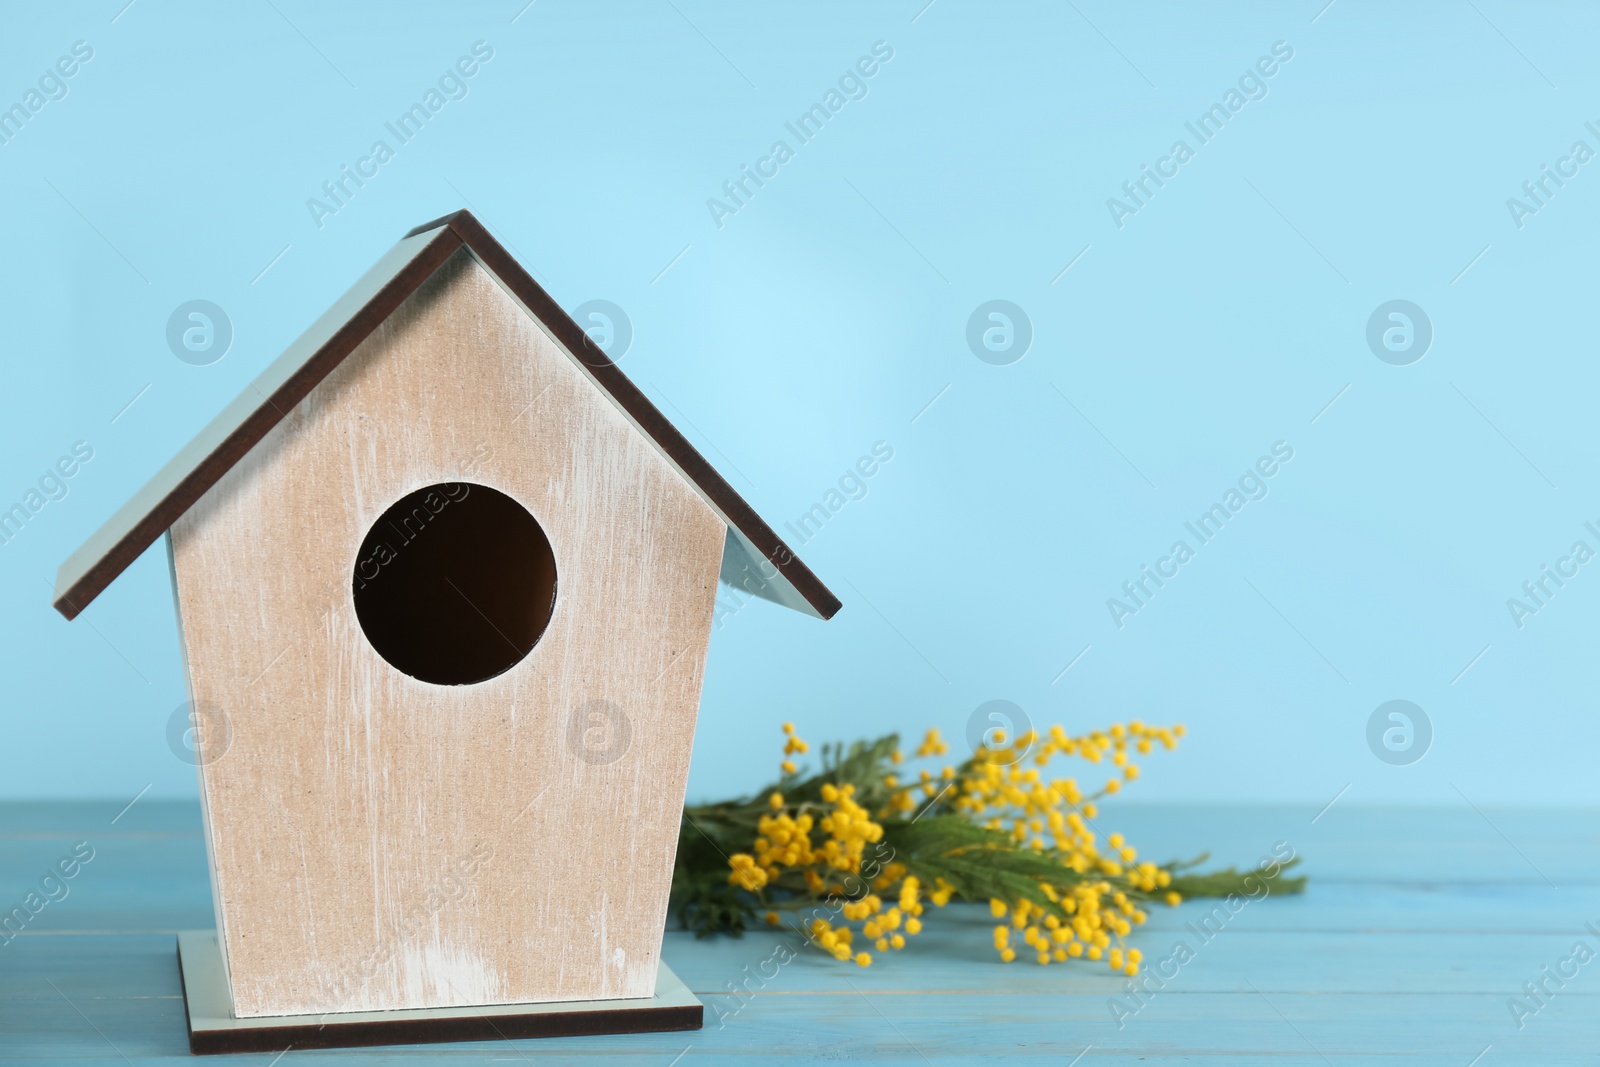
(1418, 929)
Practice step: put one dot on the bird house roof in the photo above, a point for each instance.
(754, 556)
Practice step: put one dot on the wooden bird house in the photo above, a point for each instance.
(445, 581)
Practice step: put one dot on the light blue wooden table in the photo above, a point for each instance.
(1419, 926)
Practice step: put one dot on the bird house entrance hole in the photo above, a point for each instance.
(455, 583)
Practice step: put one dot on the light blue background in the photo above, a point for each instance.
(827, 313)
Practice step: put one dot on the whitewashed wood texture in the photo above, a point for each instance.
(379, 842)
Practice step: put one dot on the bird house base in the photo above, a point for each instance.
(213, 1027)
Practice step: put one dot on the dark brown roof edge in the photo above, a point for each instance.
(137, 525)
(638, 407)
(153, 510)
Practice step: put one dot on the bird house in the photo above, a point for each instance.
(445, 581)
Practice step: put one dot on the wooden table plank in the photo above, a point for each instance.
(1419, 926)
(125, 989)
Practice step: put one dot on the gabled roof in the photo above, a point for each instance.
(755, 557)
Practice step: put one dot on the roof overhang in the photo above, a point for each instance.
(755, 558)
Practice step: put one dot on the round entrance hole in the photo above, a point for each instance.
(455, 583)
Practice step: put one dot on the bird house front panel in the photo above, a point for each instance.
(446, 626)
